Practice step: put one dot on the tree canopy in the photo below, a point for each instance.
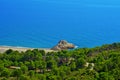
(99, 63)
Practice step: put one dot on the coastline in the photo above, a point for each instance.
(21, 49)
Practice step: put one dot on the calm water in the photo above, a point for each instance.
(42, 23)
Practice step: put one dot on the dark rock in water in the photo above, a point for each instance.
(63, 45)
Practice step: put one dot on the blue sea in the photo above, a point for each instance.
(42, 23)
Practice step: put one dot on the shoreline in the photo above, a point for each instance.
(21, 49)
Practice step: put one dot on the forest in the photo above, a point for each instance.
(98, 63)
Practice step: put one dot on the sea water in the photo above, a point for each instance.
(42, 23)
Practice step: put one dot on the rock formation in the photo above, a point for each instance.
(63, 45)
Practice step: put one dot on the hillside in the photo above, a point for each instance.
(99, 63)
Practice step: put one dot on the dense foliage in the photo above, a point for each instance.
(99, 63)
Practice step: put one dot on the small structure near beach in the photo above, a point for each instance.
(63, 45)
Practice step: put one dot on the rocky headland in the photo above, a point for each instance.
(63, 45)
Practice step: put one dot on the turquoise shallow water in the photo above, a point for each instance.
(38, 23)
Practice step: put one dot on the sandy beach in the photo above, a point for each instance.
(20, 49)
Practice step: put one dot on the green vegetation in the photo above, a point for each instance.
(99, 63)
